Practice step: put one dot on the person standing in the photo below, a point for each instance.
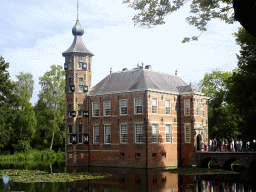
(240, 145)
(247, 146)
(254, 144)
(220, 145)
(210, 145)
(226, 145)
(232, 144)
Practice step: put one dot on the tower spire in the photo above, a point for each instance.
(77, 9)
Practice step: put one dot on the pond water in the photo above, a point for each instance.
(127, 179)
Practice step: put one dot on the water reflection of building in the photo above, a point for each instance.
(126, 179)
(134, 118)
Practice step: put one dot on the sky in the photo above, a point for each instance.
(34, 33)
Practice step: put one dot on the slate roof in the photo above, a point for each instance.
(140, 80)
(77, 46)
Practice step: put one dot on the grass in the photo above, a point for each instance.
(33, 176)
(34, 155)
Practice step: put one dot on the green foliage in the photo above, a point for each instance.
(224, 119)
(52, 101)
(153, 12)
(243, 83)
(9, 103)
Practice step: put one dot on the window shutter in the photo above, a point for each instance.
(85, 88)
(65, 66)
(73, 113)
(73, 88)
(86, 138)
(86, 113)
(84, 66)
(73, 138)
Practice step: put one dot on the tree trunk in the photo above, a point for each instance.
(52, 140)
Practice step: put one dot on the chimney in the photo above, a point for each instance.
(176, 72)
(110, 70)
(148, 67)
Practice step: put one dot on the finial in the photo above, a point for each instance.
(138, 65)
(142, 64)
(176, 72)
(77, 9)
(110, 69)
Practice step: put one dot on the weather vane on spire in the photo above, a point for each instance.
(77, 9)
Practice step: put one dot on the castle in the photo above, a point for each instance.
(132, 118)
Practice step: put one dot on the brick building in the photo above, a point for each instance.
(132, 118)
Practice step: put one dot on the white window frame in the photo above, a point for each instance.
(155, 133)
(168, 133)
(81, 86)
(94, 110)
(187, 107)
(80, 134)
(124, 134)
(79, 62)
(96, 136)
(187, 133)
(123, 106)
(107, 135)
(203, 111)
(155, 107)
(197, 107)
(138, 133)
(136, 105)
(168, 107)
(106, 106)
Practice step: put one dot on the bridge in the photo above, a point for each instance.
(225, 159)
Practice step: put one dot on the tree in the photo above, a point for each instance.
(25, 85)
(243, 83)
(153, 12)
(9, 103)
(224, 121)
(25, 122)
(53, 96)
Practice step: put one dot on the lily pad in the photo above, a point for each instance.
(32, 176)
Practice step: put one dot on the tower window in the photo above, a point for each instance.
(203, 110)
(69, 111)
(138, 105)
(81, 84)
(69, 84)
(80, 62)
(95, 109)
(80, 110)
(187, 108)
(70, 134)
(106, 108)
(187, 133)
(80, 131)
(197, 107)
